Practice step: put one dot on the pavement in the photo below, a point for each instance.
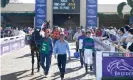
(16, 65)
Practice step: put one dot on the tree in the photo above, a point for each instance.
(121, 6)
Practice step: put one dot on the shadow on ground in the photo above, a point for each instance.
(68, 70)
(14, 76)
(68, 61)
(26, 55)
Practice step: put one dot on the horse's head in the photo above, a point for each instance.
(120, 65)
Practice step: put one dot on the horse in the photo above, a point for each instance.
(35, 50)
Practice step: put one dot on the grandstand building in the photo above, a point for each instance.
(22, 15)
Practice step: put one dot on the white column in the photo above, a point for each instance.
(83, 13)
(50, 12)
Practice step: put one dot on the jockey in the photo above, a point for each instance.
(87, 49)
(46, 50)
(80, 40)
(56, 34)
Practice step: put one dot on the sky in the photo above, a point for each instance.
(99, 1)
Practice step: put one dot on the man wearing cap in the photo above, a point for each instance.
(61, 48)
(46, 50)
(75, 37)
(80, 40)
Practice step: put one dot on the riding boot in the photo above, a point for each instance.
(86, 68)
(90, 67)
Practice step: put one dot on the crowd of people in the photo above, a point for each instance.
(122, 36)
(85, 44)
(56, 41)
(14, 31)
(53, 41)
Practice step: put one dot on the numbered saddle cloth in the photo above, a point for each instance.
(44, 48)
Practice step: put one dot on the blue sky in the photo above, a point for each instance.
(99, 1)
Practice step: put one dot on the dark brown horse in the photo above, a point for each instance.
(35, 50)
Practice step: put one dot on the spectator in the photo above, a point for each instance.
(66, 33)
(70, 33)
(126, 29)
(131, 47)
(129, 38)
(122, 37)
(56, 34)
(98, 33)
(75, 37)
(80, 41)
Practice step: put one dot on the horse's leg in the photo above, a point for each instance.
(38, 60)
(32, 54)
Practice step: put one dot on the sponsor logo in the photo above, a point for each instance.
(92, 1)
(6, 48)
(41, 11)
(41, 1)
(40, 21)
(91, 22)
(22, 43)
(91, 11)
(15, 46)
(120, 68)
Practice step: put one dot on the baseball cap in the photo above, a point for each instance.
(82, 30)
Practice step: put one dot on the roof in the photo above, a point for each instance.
(30, 7)
(18, 8)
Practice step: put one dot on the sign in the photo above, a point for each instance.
(12, 45)
(131, 20)
(66, 6)
(91, 13)
(117, 67)
(22, 43)
(15, 45)
(5, 48)
(113, 64)
(40, 11)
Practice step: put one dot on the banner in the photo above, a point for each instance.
(7, 47)
(91, 13)
(131, 20)
(116, 65)
(40, 13)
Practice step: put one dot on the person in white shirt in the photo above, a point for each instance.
(126, 29)
(129, 38)
(122, 39)
(75, 37)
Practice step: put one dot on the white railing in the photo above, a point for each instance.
(11, 43)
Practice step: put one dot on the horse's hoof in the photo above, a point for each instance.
(32, 73)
